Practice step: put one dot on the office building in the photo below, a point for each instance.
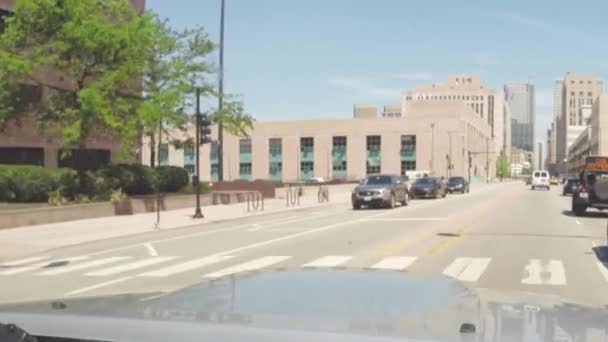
(435, 137)
(392, 111)
(485, 102)
(364, 111)
(538, 156)
(520, 97)
(593, 140)
(578, 92)
(23, 144)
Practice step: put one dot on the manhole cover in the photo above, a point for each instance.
(448, 234)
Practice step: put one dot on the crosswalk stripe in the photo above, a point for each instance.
(248, 266)
(328, 261)
(537, 271)
(397, 263)
(467, 269)
(81, 266)
(185, 266)
(130, 266)
(39, 265)
(23, 261)
(603, 269)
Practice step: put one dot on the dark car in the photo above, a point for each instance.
(380, 190)
(570, 186)
(593, 189)
(429, 187)
(458, 184)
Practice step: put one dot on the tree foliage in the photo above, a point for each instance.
(503, 167)
(93, 48)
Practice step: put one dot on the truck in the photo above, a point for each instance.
(592, 191)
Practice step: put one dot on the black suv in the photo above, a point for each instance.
(593, 189)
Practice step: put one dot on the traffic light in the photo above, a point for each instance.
(204, 129)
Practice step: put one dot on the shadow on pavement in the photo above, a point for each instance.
(594, 214)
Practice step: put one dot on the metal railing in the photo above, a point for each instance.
(323, 194)
(292, 195)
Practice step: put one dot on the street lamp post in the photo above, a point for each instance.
(220, 103)
(432, 147)
(198, 213)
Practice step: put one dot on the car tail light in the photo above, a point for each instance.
(582, 188)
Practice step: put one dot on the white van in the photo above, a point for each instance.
(540, 179)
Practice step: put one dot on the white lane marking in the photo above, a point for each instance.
(81, 266)
(36, 266)
(252, 265)
(23, 261)
(328, 261)
(467, 269)
(603, 270)
(577, 221)
(130, 266)
(397, 263)
(537, 273)
(254, 228)
(151, 250)
(185, 266)
(391, 219)
(96, 286)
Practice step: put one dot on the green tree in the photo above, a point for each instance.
(94, 48)
(503, 167)
(177, 62)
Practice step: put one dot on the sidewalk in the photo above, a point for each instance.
(28, 240)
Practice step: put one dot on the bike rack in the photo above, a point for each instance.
(255, 201)
(292, 196)
(323, 194)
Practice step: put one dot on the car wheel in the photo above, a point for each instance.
(405, 199)
(445, 193)
(533, 187)
(392, 202)
(578, 210)
(356, 206)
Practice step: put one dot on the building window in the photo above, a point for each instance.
(245, 159)
(580, 82)
(213, 156)
(189, 158)
(407, 165)
(580, 93)
(477, 108)
(163, 154)
(338, 156)
(467, 98)
(572, 93)
(88, 159)
(275, 166)
(245, 171)
(481, 97)
(22, 156)
(307, 147)
(481, 108)
(589, 94)
(408, 153)
(373, 154)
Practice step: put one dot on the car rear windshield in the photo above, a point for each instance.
(425, 181)
(379, 180)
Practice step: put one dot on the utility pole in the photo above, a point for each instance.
(470, 162)
(487, 163)
(432, 147)
(198, 213)
(220, 103)
(160, 136)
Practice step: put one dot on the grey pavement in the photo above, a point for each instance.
(501, 236)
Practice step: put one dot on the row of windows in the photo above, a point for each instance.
(581, 93)
(582, 82)
(447, 97)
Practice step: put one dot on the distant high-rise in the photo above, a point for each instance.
(520, 97)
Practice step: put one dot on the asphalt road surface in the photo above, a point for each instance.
(502, 237)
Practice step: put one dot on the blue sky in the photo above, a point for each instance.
(310, 59)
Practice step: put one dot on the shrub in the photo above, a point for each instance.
(132, 179)
(25, 183)
(190, 189)
(171, 178)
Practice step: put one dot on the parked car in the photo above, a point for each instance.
(380, 190)
(429, 187)
(457, 184)
(554, 181)
(315, 180)
(540, 179)
(593, 189)
(570, 186)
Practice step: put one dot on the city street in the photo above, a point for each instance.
(501, 236)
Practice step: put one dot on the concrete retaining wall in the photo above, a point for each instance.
(135, 205)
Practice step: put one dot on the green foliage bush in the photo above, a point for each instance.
(25, 183)
(131, 179)
(171, 178)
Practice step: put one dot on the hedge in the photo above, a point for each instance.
(132, 179)
(171, 178)
(24, 183)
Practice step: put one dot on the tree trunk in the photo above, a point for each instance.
(152, 150)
